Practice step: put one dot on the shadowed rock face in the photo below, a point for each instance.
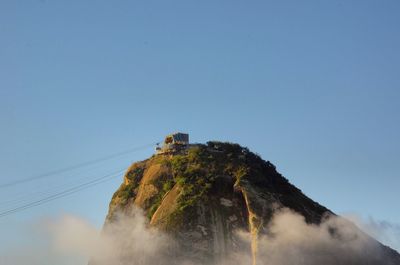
(203, 197)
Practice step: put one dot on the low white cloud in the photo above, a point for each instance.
(289, 240)
(386, 232)
(72, 235)
(335, 241)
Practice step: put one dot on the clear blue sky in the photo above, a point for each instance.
(312, 86)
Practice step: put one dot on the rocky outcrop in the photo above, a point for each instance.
(203, 196)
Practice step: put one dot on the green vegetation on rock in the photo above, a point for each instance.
(165, 187)
(196, 171)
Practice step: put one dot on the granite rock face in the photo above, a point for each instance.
(204, 197)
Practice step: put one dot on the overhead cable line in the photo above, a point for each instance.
(27, 195)
(69, 168)
(62, 193)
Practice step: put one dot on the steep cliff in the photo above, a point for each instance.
(203, 196)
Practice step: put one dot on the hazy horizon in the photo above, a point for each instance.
(313, 87)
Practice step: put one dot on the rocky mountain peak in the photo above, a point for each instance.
(204, 195)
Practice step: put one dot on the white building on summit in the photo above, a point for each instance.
(173, 143)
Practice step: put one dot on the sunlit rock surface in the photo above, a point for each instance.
(216, 201)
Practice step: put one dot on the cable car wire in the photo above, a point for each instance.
(62, 194)
(76, 166)
(27, 195)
